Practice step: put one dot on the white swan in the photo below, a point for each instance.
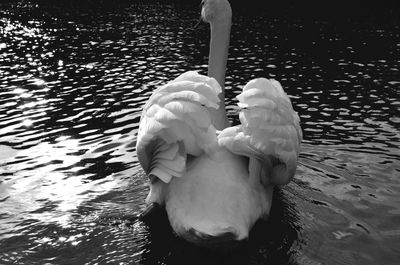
(215, 184)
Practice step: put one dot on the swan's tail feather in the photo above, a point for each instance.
(269, 131)
(176, 122)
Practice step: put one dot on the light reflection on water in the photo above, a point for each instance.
(73, 80)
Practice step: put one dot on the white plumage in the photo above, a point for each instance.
(269, 130)
(214, 184)
(218, 191)
(176, 122)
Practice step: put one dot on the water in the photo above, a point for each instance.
(73, 79)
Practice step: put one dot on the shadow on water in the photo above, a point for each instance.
(270, 242)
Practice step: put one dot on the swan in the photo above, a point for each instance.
(216, 180)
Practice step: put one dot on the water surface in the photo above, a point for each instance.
(74, 77)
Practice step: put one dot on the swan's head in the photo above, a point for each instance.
(216, 10)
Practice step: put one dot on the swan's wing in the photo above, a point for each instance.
(269, 130)
(175, 122)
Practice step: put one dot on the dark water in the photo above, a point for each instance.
(73, 79)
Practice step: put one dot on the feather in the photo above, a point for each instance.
(176, 122)
(164, 176)
(269, 131)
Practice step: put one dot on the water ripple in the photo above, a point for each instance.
(74, 78)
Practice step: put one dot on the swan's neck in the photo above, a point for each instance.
(219, 45)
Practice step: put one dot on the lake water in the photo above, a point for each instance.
(74, 76)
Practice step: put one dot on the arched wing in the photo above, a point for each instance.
(176, 122)
(269, 131)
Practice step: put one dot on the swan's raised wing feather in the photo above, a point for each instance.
(269, 130)
(176, 122)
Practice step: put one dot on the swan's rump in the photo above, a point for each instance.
(214, 198)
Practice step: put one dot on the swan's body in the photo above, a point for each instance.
(216, 184)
